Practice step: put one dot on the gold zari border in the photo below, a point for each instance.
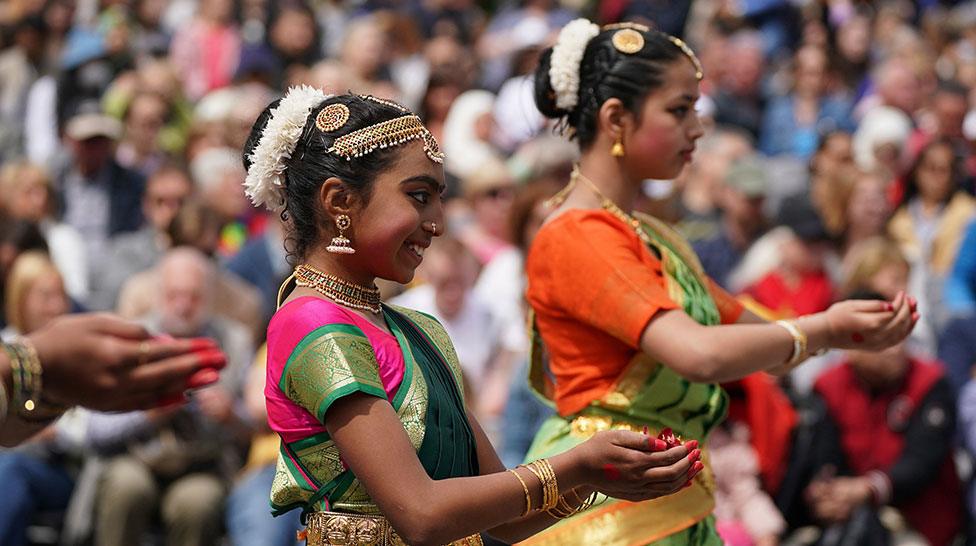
(337, 529)
(621, 523)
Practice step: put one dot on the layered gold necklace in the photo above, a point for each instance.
(606, 203)
(343, 292)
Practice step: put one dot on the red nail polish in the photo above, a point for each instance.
(660, 445)
(698, 466)
(691, 444)
(213, 358)
(857, 337)
(202, 378)
(201, 344)
(686, 485)
(695, 455)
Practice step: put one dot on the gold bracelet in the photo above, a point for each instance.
(525, 488)
(27, 373)
(565, 510)
(799, 342)
(552, 488)
(547, 477)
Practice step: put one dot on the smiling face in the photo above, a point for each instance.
(392, 230)
(664, 138)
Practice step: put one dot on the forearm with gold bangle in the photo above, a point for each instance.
(715, 354)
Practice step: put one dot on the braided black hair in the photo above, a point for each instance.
(607, 73)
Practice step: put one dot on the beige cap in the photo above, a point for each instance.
(86, 126)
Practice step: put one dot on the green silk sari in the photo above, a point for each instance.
(335, 360)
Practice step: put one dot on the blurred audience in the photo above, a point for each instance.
(839, 156)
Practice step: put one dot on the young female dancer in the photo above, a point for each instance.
(637, 335)
(377, 446)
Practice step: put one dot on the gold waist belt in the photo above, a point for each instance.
(336, 529)
(584, 426)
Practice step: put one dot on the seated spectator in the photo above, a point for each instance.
(196, 225)
(140, 148)
(130, 253)
(100, 197)
(175, 461)
(218, 177)
(16, 237)
(866, 209)
(206, 51)
(792, 123)
(38, 475)
(799, 284)
(28, 195)
(741, 200)
(33, 294)
(894, 421)
(929, 225)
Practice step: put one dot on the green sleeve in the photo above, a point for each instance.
(330, 362)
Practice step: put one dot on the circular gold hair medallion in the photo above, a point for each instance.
(332, 117)
(628, 40)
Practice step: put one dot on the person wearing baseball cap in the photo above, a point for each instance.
(741, 199)
(100, 198)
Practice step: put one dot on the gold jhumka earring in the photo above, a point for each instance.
(618, 148)
(339, 244)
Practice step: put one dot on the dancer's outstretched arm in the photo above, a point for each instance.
(727, 352)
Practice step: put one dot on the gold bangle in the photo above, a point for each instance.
(565, 510)
(26, 371)
(547, 477)
(799, 341)
(525, 488)
(551, 498)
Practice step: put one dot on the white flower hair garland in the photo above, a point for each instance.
(567, 54)
(265, 181)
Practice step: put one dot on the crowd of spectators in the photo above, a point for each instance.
(839, 161)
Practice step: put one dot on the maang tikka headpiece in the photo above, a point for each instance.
(385, 134)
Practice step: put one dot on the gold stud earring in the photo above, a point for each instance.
(341, 245)
(618, 148)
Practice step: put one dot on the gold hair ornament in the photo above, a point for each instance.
(626, 24)
(699, 71)
(385, 102)
(627, 40)
(384, 135)
(332, 117)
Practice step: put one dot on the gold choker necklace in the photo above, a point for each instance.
(339, 290)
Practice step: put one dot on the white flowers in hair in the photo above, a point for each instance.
(567, 54)
(265, 181)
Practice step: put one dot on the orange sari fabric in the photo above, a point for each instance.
(595, 286)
